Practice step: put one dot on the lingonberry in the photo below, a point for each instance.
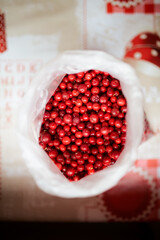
(74, 148)
(96, 106)
(95, 98)
(91, 159)
(86, 132)
(121, 101)
(66, 140)
(118, 123)
(94, 118)
(92, 140)
(98, 164)
(80, 74)
(82, 88)
(45, 137)
(104, 130)
(84, 127)
(53, 153)
(70, 172)
(78, 141)
(80, 168)
(94, 151)
(88, 76)
(84, 147)
(58, 96)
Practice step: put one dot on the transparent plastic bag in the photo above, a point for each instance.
(47, 176)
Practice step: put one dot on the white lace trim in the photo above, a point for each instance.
(124, 4)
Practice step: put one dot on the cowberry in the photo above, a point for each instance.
(84, 127)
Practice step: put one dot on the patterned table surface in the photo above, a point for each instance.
(33, 32)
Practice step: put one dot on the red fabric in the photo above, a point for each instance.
(144, 46)
(147, 7)
(3, 45)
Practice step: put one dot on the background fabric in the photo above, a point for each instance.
(33, 32)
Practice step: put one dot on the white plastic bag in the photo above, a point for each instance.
(44, 171)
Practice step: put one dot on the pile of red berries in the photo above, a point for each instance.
(84, 126)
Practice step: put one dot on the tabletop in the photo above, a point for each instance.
(32, 33)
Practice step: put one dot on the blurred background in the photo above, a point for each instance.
(34, 32)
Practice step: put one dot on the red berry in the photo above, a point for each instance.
(76, 178)
(78, 103)
(107, 161)
(62, 147)
(98, 164)
(80, 74)
(89, 106)
(94, 118)
(114, 83)
(60, 158)
(94, 151)
(109, 149)
(89, 166)
(83, 109)
(95, 90)
(110, 92)
(62, 106)
(61, 133)
(115, 112)
(91, 159)
(62, 85)
(79, 135)
(74, 148)
(81, 161)
(80, 168)
(53, 153)
(78, 142)
(58, 96)
(70, 172)
(53, 125)
(103, 99)
(100, 141)
(86, 132)
(88, 84)
(48, 106)
(95, 98)
(92, 140)
(88, 76)
(45, 137)
(104, 130)
(101, 149)
(66, 140)
(75, 93)
(71, 77)
(84, 99)
(74, 164)
(82, 88)
(67, 118)
(118, 123)
(121, 101)
(54, 114)
(90, 172)
(105, 82)
(96, 106)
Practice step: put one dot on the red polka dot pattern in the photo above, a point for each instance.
(145, 46)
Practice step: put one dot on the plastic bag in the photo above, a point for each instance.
(44, 171)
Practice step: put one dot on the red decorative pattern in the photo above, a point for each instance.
(135, 197)
(145, 46)
(3, 45)
(146, 7)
